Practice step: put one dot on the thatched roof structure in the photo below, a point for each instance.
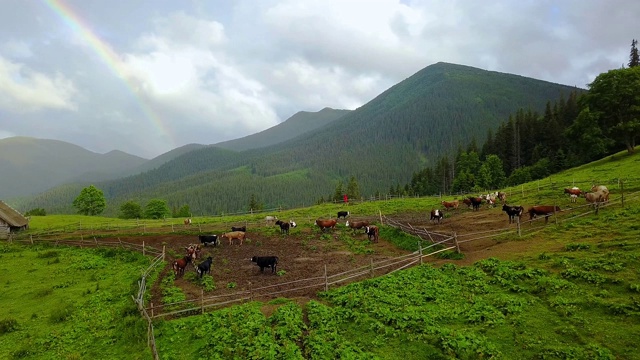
(12, 217)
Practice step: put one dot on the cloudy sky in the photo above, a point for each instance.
(148, 76)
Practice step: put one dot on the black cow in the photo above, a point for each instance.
(475, 202)
(208, 239)
(266, 261)
(513, 211)
(436, 216)
(204, 267)
(284, 226)
(239, 228)
(343, 214)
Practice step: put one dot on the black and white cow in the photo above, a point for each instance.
(239, 228)
(205, 267)
(513, 211)
(208, 239)
(343, 214)
(436, 216)
(266, 261)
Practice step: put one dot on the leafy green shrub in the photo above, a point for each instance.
(61, 313)
(450, 254)
(8, 325)
(281, 272)
(207, 283)
(231, 285)
(577, 247)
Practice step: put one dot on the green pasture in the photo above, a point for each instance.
(70, 303)
(571, 292)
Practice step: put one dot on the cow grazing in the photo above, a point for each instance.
(540, 210)
(467, 202)
(602, 190)
(270, 219)
(450, 204)
(266, 261)
(573, 191)
(513, 211)
(490, 199)
(502, 196)
(356, 225)
(187, 222)
(239, 228)
(343, 214)
(234, 235)
(372, 233)
(436, 216)
(326, 223)
(180, 264)
(208, 240)
(204, 267)
(593, 198)
(475, 202)
(284, 226)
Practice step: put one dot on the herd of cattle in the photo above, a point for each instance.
(239, 233)
(598, 194)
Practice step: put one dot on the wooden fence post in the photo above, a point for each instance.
(371, 267)
(163, 246)
(143, 248)
(326, 279)
(172, 228)
(31, 237)
(380, 212)
(455, 240)
(420, 249)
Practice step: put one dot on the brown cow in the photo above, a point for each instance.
(593, 198)
(326, 223)
(356, 225)
(539, 210)
(602, 190)
(372, 232)
(475, 202)
(234, 235)
(450, 204)
(467, 202)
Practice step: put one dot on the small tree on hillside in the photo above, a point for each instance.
(353, 190)
(634, 57)
(156, 209)
(90, 202)
(130, 210)
(337, 194)
(184, 211)
(254, 204)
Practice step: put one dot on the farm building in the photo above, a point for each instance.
(11, 220)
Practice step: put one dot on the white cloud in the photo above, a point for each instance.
(25, 90)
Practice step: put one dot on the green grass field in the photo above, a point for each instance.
(572, 293)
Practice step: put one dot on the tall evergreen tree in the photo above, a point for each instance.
(353, 191)
(634, 58)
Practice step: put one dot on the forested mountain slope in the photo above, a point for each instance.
(381, 144)
(298, 124)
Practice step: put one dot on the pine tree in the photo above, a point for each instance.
(353, 191)
(634, 58)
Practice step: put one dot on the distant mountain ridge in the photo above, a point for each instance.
(31, 165)
(381, 144)
(298, 124)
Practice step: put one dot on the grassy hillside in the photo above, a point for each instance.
(566, 291)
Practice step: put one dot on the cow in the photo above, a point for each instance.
(490, 199)
(180, 264)
(343, 214)
(502, 196)
(450, 204)
(372, 233)
(602, 190)
(356, 225)
(593, 199)
(512, 212)
(573, 191)
(187, 222)
(539, 210)
(234, 235)
(475, 202)
(284, 226)
(326, 224)
(208, 240)
(193, 250)
(204, 267)
(239, 228)
(436, 216)
(270, 219)
(467, 202)
(266, 261)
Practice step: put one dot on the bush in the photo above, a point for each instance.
(8, 325)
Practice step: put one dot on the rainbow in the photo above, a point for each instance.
(110, 58)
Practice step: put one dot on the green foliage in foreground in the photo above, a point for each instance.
(70, 303)
(581, 301)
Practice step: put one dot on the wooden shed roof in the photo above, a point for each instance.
(11, 216)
